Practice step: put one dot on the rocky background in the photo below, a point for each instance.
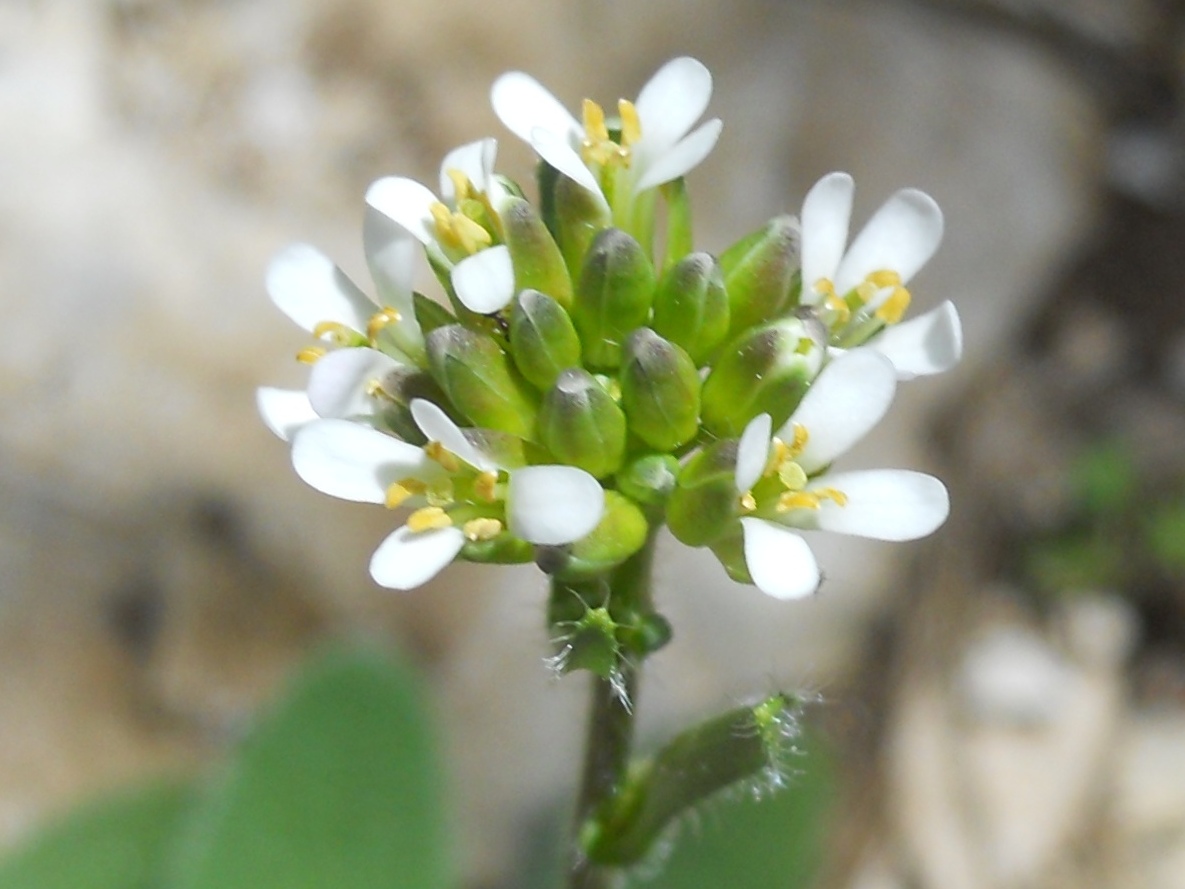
(1009, 724)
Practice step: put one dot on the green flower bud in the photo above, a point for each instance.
(543, 341)
(703, 507)
(765, 370)
(759, 272)
(649, 479)
(590, 644)
(691, 306)
(621, 533)
(480, 381)
(660, 391)
(613, 296)
(582, 425)
(538, 263)
(578, 218)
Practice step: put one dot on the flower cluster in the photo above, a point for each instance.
(581, 388)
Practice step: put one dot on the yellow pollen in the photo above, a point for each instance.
(485, 485)
(865, 291)
(458, 231)
(893, 309)
(885, 278)
(429, 518)
(825, 287)
(748, 502)
(446, 458)
(381, 319)
(461, 185)
(595, 131)
(397, 494)
(801, 436)
(810, 499)
(311, 354)
(839, 498)
(597, 147)
(834, 304)
(482, 529)
(631, 125)
(779, 454)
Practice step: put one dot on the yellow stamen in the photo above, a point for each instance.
(825, 287)
(429, 518)
(595, 131)
(801, 436)
(839, 498)
(865, 291)
(397, 494)
(482, 529)
(810, 499)
(631, 126)
(311, 354)
(779, 453)
(842, 313)
(598, 147)
(458, 231)
(446, 458)
(893, 309)
(485, 486)
(748, 502)
(461, 184)
(335, 332)
(381, 319)
(885, 278)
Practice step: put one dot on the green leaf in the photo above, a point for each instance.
(118, 842)
(1105, 479)
(338, 788)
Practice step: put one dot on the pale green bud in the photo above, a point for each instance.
(613, 296)
(480, 381)
(578, 218)
(763, 371)
(691, 306)
(660, 391)
(703, 507)
(759, 273)
(538, 263)
(582, 425)
(649, 479)
(621, 533)
(543, 340)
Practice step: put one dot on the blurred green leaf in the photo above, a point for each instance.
(339, 788)
(118, 842)
(1166, 537)
(1076, 563)
(1105, 479)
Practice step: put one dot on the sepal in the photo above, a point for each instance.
(613, 296)
(543, 340)
(538, 263)
(660, 391)
(760, 272)
(582, 425)
(691, 306)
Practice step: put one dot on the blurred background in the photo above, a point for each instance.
(1005, 703)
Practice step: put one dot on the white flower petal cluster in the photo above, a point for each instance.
(663, 148)
(847, 400)
(892, 247)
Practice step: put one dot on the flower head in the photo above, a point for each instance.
(861, 291)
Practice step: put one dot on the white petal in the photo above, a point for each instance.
(779, 561)
(355, 462)
(928, 344)
(284, 410)
(844, 402)
(475, 160)
(902, 236)
(753, 452)
(884, 504)
(552, 505)
(338, 381)
(673, 100)
(409, 558)
(681, 158)
(557, 151)
(437, 426)
(484, 282)
(391, 256)
(524, 105)
(408, 203)
(307, 287)
(826, 214)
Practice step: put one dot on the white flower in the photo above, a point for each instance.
(457, 229)
(794, 488)
(860, 292)
(462, 492)
(657, 143)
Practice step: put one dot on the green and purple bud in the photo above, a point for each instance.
(691, 306)
(581, 424)
(613, 296)
(543, 340)
(760, 272)
(660, 391)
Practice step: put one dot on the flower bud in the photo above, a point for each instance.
(538, 263)
(590, 644)
(660, 391)
(702, 508)
(759, 273)
(478, 378)
(691, 306)
(582, 425)
(764, 370)
(578, 218)
(613, 296)
(543, 341)
(621, 533)
(649, 479)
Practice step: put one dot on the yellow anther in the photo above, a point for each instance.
(839, 498)
(779, 453)
(801, 437)
(885, 278)
(797, 500)
(485, 486)
(397, 495)
(311, 354)
(429, 518)
(839, 308)
(385, 317)
(864, 292)
(458, 231)
(792, 475)
(748, 502)
(893, 309)
(825, 287)
(482, 529)
(335, 332)
(595, 131)
(598, 147)
(631, 125)
(446, 458)
(461, 184)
